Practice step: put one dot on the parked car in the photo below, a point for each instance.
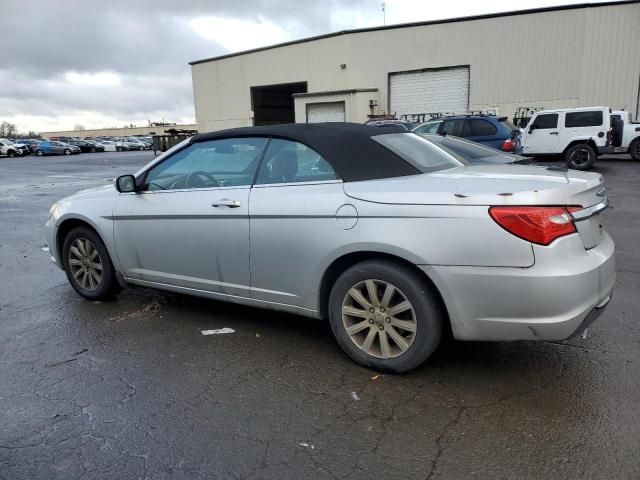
(108, 146)
(396, 240)
(52, 147)
(29, 142)
(578, 134)
(87, 146)
(10, 149)
(136, 144)
(408, 126)
(430, 126)
(489, 130)
(473, 152)
(625, 134)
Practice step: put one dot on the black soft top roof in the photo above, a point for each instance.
(348, 147)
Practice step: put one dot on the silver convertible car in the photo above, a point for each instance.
(393, 237)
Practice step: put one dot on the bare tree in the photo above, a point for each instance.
(78, 127)
(7, 129)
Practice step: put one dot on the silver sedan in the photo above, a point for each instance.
(393, 237)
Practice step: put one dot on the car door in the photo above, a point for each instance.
(188, 227)
(483, 131)
(292, 213)
(542, 134)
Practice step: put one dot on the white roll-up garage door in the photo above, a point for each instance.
(325, 112)
(444, 90)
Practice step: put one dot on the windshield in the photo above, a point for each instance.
(472, 152)
(419, 152)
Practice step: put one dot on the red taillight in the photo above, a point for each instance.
(541, 225)
(508, 145)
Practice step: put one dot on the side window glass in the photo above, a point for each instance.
(453, 127)
(286, 161)
(227, 162)
(583, 119)
(481, 128)
(545, 121)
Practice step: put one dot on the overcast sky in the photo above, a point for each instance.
(103, 63)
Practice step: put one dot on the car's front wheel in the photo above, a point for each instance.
(88, 265)
(39, 153)
(580, 156)
(11, 153)
(385, 316)
(67, 151)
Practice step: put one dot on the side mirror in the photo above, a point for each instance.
(126, 183)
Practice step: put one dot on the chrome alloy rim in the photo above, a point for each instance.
(85, 264)
(379, 319)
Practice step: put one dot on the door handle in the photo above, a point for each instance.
(225, 202)
(553, 133)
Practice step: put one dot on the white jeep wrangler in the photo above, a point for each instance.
(580, 134)
(626, 134)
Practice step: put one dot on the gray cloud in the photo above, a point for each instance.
(148, 43)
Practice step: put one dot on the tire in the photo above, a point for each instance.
(634, 149)
(75, 248)
(94, 149)
(39, 153)
(580, 156)
(424, 316)
(141, 149)
(118, 149)
(11, 153)
(67, 151)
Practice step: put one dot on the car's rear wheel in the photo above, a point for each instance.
(634, 149)
(88, 265)
(385, 316)
(580, 157)
(39, 153)
(94, 149)
(141, 148)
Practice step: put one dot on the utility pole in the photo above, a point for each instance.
(384, 14)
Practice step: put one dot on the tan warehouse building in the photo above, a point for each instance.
(580, 55)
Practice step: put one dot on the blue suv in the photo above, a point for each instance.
(495, 132)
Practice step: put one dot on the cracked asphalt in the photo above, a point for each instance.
(132, 389)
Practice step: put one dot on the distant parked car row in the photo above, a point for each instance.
(71, 145)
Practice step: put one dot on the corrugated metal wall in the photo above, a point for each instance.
(579, 57)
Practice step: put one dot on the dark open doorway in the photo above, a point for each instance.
(273, 104)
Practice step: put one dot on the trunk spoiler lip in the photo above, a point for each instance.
(589, 212)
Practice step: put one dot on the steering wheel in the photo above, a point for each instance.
(194, 180)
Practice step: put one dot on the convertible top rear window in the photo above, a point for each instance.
(422, 154)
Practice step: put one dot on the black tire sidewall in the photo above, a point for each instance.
(39, 153)
(634, 149)
(11, 154)
(109, 285)
(427, 309)
(588, 149)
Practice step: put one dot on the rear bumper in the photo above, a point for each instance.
(558, 297)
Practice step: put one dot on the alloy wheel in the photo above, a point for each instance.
(379, 318)
(85, 264)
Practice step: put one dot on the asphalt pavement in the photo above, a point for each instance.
(132, 389)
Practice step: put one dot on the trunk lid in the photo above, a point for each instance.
(493, 185)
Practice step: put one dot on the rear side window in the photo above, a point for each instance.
(286, 161)
(482, 128)
(583, 119)
(546, 120)
(453, 127)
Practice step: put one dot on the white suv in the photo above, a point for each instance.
(580, 134)
(626, 134)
